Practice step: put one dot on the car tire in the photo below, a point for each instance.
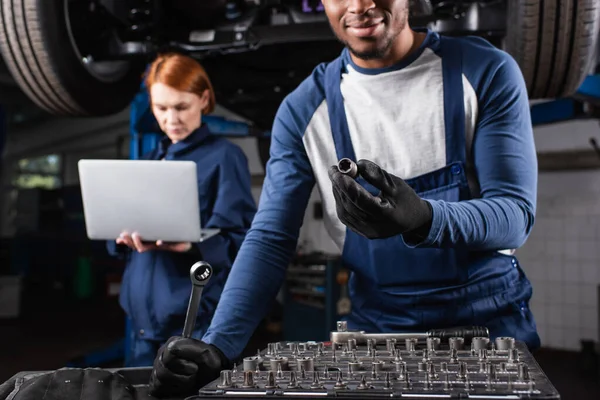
(39, 50)
(554, 42)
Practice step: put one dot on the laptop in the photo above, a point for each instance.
(157, 199)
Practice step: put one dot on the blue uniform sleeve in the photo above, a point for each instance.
(232, 211)
(505, 161)
(259, 269)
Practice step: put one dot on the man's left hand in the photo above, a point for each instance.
(396, 210)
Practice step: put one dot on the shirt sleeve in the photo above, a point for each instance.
(259, 269)
(232, 211)
(505, 162)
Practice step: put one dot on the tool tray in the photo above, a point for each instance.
(376, 372)
(419, 370)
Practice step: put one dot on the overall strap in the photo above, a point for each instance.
(337, 114)
(454, 106)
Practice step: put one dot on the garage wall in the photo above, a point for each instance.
(562, 258)
(562, 255)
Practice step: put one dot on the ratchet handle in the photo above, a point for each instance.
(466, 332)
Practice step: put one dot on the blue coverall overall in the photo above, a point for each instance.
(430, 290)
(156, 285)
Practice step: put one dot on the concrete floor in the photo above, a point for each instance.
(52, 334)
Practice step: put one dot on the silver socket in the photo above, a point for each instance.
(279, 362)
(339, 383)
(482, 367)
(490, 370)
(225, 379)
(433, 343)
(480, 343)
(305, 363)
(377, 366)
(431, 370)
(320, 348)
(453, 356)
(411, 344)
(513, 356)
(482, 354)
(370, 347)
(348, 167)
(351, 344)
(462, 370)
(390, 344)
(342, 326)
(354, 366)
(363, 383)
(456, 343)
(293, 381)
(443, 367)
(248, 380)
(294, 348)
(316, 384)
(387, 383)
(523, 372)
(425, 355)
(505, 343)
(250, 363)
(400, 367)
(271, 383)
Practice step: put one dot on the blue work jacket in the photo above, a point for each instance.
(470, 100)
(156, 286)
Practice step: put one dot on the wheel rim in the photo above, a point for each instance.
(104, 71)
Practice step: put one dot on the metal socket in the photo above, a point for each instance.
(411, 344)
(456, 343)
(505, 343)
(306, 363)
(225, 380)
(250, 363)
(433, 343)
(480, 343)
(277, 362)
(351, 344)
(348, 167)
(390, 344)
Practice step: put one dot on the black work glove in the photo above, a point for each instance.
(396, 210)
(182, 366)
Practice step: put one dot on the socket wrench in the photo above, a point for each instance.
(200, 274)
(361, 337)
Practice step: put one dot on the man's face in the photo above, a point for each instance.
(367, 27)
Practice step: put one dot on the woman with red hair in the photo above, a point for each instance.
(156, 285)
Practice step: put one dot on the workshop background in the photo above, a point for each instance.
(59, 290)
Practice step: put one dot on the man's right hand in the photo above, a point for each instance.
(182, 366)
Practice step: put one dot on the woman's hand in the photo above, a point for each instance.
(134, 242)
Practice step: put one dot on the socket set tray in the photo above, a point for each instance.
(410, 368)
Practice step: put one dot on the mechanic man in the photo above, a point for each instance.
(156, 285)
(447, 189)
